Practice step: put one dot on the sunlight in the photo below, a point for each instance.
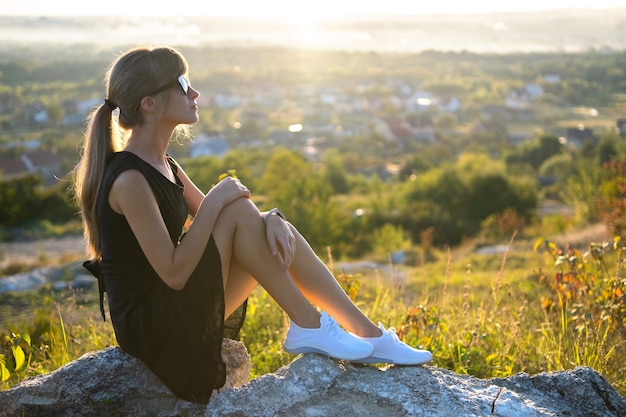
(302, 25)
(295, 128)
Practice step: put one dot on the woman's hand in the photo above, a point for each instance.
(281, 239)
(227, 190)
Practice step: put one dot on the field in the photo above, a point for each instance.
(485, 311)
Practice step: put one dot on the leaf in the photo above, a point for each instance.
(18, 355)
(4, 372)
(538, 243)
(491, 357)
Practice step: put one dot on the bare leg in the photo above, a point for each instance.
(240, 238)
(238, 285)
(319, 286)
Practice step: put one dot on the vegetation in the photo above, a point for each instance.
(489, 316)
(543, 304)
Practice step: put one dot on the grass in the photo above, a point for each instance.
(481, 315)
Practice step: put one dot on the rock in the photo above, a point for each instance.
(314, 385)
(111, 383)
(54, 275)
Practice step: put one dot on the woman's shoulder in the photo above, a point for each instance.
(124, 157)
(121, 162)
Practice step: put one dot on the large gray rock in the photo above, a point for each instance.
(314, 385)
(111, 383)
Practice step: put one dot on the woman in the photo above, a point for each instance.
(169, 291)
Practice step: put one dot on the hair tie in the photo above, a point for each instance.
(110, 104)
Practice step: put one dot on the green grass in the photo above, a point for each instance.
(481, 315)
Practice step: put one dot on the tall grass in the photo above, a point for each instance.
(59, 330)
(482, 315)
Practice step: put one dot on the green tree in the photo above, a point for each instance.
(536, 152)
(283, 166)
(20, 200)
(334, 171)
(582, 192)
(306, 201)
(456, 198)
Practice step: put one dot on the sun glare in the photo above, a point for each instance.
(303, 26)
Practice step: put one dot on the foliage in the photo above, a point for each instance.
(538, 151)
(588, 301)
(455, 199)
(612, 202)
(583, 290)
(23, 200)
(388, 239)
(19, 199)
(262, 333)
(582, 192)
(60, 330)
(17, 343)
(482, 315)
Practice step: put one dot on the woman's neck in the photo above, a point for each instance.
(149, 144)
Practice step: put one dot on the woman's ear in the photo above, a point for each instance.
(148, 104)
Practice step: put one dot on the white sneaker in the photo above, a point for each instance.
(329, 339)
(389, 349)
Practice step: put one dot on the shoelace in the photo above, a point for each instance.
(392, 335)
(333, 328)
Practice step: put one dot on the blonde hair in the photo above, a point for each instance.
(131, 77)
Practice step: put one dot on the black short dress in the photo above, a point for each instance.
(176, 333)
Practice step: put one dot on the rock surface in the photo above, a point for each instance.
(111, 383)
(313, 385)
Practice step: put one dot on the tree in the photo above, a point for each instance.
(612, 202)
(306, 201)
(283, 166)
(456, 198)
(20, 200)
(334, 171)
(537, 151)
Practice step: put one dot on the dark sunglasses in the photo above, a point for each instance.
(182, 81)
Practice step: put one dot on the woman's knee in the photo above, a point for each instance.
(240, 209)
(233, 216)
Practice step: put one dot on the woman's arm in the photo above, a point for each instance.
(193, 195)
(132, 197)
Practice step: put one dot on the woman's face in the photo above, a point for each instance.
(181, 107)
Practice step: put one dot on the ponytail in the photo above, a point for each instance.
(101, 141)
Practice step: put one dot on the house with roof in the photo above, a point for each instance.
(47, 164)
(12, 168)
(577, 136)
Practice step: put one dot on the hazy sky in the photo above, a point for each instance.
(289, 9)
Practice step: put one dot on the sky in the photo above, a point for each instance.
(289, 9)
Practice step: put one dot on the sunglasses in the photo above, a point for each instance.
(182, 81)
